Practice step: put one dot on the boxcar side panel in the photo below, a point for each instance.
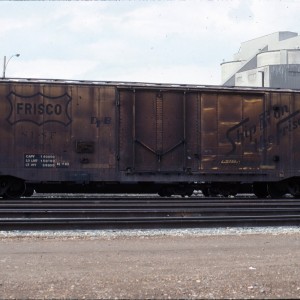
(152, 131)
(36, 120)
(230, 131)
(209, 130)
(192, 132)
(58, 132)
(93, 133)
(295, 129)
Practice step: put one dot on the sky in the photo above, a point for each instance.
(141, 41)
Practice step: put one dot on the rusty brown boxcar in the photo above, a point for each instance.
(70, 136)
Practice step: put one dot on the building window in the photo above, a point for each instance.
(252, 77)
(239, 79)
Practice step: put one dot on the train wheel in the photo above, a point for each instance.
(276, 190)
(205, 192)
(165, 192)
(28, 192)
(187, 192)
(260, 190)
(230, 190)
(210, 192)
(228, 193)
(225, 194)
(294, 189)
(15, 189)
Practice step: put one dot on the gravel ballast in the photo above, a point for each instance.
(259, 262)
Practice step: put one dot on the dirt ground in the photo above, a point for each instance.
(159, 267)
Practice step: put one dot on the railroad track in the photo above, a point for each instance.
(76, 212)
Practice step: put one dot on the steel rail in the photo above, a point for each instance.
(185, 222)
(166, 212)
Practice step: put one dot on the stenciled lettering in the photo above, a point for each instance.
(239, 134)
(287, 125)
(24, 108)
(99, 121)
(244, 131)
(39, 108)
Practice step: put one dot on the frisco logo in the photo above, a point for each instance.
(39, 109)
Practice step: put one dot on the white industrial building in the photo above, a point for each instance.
(269, 61)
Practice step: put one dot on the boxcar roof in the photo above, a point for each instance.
(143, 85)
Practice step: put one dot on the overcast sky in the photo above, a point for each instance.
(152, 41)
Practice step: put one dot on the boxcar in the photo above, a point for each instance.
(80, 136)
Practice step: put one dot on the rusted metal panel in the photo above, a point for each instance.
(125, 135)
(294, 127)
(38, 121)
(209, 130)
(152, 130)
(281, 117)
(93, 119)
(6, 134)
(93, 132)
(192, 130)
(230, 131)
(58, 132)
(170, 118)
(250, 132)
